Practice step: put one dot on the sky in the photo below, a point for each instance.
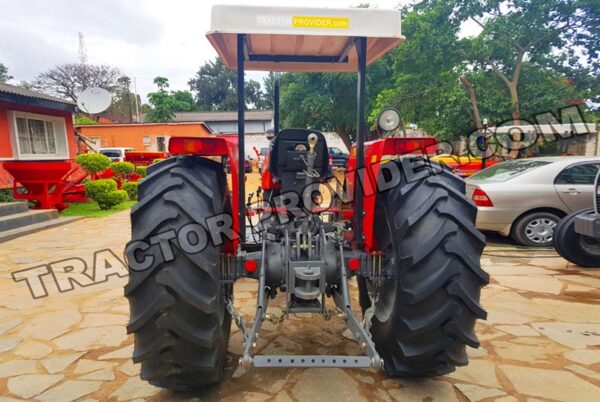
(142, 38)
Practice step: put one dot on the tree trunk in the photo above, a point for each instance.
(516, 116)
(473, 98)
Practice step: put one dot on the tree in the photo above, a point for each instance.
(438, 84)
(514, 32)
(214, 88)
(68, 80)
(327, 101)
(4, 73)
(165, 104)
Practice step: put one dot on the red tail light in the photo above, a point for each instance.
(481, 199)
(193, 145)
(354, 264)
(330, 160)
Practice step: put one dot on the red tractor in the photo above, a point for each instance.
(399, 223)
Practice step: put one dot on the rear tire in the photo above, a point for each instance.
(426, 313)
(573, 247)
(178, 315)
(535, 229)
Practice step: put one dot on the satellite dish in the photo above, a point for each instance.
(94, 100)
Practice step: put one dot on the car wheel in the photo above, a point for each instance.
(535, 229)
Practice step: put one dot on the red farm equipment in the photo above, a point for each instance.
(398, 223)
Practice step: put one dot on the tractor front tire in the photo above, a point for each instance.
(425, 313)
(573, 247)
(178, 314)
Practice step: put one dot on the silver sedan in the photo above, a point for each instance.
(526, 198)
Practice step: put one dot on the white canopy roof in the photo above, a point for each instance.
(302, 39)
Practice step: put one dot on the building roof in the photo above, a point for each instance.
(172, 123)
(208, 117)
(13, 93)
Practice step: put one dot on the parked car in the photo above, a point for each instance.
(115, 154)
(338, 157)
(526, 198)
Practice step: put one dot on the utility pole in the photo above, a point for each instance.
(137, 109)
(82, 49)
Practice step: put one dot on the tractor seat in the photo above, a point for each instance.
(290, 147)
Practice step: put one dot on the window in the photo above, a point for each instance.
(507, 170)
(36, 136)
(146, 140)
(160, 144)
(584, 173)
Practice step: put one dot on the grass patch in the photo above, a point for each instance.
(92, 210)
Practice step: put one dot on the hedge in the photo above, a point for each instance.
(131, 187)
(111, 199)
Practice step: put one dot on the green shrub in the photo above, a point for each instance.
(97, 188)
(131, 187)
(157, 160)
(142, 170)
(93, 163)
(6, 195)
(122, 169)
(111, 199)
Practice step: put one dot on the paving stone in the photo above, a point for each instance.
(572, 335)
(70, 390)
(59, 362)
(503, 270)
(33, 350)
(582, 279)
(282, 397)
(255, 397)
(480, 372)
(424, 390)
(382, 395)
(50, 325)
(551, 384)
(87, 366)
(479, 352)
(106, 374)
(14, 368)
(30, 385)
(123, 353)
(92, 338)
(537, 353)
(518, 330)
(93, 320)
(8, 325)
(130, 368)
(583, 371)
(539, 284)
(134, 387)
(569, 311)
(7, 344)
(364, 378)
(326, 384)
(584, 356)
(476, 393)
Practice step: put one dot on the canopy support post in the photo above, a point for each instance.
(361, 50)
(277, 84)
(241, 105)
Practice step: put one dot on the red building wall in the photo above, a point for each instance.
(5, 141)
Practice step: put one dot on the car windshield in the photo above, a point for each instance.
(507, 170)
(111, 154)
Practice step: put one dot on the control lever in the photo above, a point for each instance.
(249, 199)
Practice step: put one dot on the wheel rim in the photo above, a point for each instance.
(386, 297)
(589, 245)
(540, 230)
